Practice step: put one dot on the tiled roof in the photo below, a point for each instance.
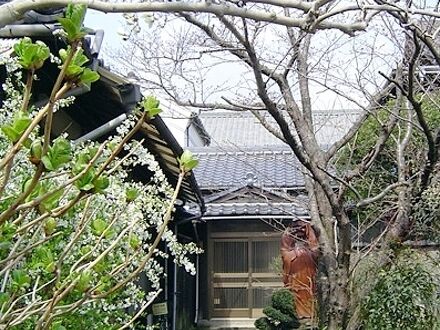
(255, 209)
(242, 129)
(222, 169)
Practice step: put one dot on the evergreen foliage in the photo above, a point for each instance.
(404, 296)
(280, 315)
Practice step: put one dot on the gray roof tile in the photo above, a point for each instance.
(256, 209)
(221, 169)
(242, 129)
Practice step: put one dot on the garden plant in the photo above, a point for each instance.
(75, 231)
(280, 314)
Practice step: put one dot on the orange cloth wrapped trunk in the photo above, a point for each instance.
(299, 254)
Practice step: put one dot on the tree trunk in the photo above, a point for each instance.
(339, 301)
(332, 293)
(334, 261)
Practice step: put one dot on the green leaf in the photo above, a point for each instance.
(31, 55)
(134, 242)
(191, 164)
(84, 281)
(88, 76)
(7, 231)
(35, 151)
(52, 201)
(83, 159)
(101, 183)
(20, 280)
(151, 106)
(105, 282)
(10, 133)
(21, 122)
(75, 69)
(68, 27)
(49, 226)
(47, 163)
(4, 298)
(88, 181)
(85, 249)
(63, 53)
(57, 326)
(98, 226)
(76, 13)
(15, 130)
(44, 259)
(131, 194)
(186, 156)
(102, 266)
(151, 102)
(72, 22)
(187, 161)
(73, 72)
(39, 189)
(79, 59)
(58, 154)
(85, 182)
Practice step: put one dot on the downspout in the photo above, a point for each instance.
(103, 129)
(197, 306)
(196, 314)
(97, 42)
(194, 220)
(175, 288)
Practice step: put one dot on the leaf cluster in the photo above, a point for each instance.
(150, 105)
(16, 128)
(31, 56)
(72, 22)
(75, 71)
(59, 153)
(187, 161)
(89, 181)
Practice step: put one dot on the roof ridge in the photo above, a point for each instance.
(250, 150)
(246, 113)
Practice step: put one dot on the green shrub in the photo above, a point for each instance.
(403, 297)
(282, 300)
(280, 315)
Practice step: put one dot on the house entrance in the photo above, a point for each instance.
(245, 272)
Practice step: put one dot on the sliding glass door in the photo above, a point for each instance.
(243, 276)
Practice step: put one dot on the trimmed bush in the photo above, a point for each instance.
(280, 315)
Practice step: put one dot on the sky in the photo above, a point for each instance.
(223, 74)
(114, 23)
(322, 98)
(110, 23)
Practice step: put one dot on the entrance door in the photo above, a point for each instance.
(244, 274)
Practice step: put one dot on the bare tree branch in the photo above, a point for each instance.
(15, 10)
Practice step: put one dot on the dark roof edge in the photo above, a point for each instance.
(196, 121)
(165, 132)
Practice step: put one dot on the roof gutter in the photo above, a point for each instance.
(43, 30)
(160, 125)
(28, 30)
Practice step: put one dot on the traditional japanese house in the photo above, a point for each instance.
(253, 186)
